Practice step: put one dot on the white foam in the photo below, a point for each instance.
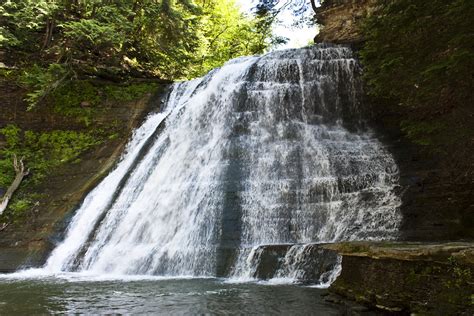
(301, 175)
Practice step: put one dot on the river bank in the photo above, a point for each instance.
(427, 278)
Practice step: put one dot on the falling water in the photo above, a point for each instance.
(265, 150)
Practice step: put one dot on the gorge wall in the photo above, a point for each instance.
(436, 188)
(437, 191)
(430, 279)
(28, 238)
(437, 196)
(266, 150)
(341, 20)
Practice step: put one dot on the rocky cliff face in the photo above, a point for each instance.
(437, 193)
(436, 189)
(341, 20)
(432, 279)
(29, 241)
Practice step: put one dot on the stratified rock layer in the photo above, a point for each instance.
(437, 189)
(341, 20)
(408, 277)
(28, 243)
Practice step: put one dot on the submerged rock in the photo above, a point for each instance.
(301, 263)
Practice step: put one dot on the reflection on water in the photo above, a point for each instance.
(197, 296)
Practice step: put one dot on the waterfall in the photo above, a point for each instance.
(267, 150)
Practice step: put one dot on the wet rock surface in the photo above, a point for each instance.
(28, 243)
(436, 188)
(305, 263)
(408, 277)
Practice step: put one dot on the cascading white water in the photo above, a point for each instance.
(265, 150)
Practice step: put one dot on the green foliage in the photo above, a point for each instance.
(20, 19)
(41, 81)
(92, 34)
(460, 276)
(7, 38)
(128, 93)
(418, 58)
(41, 151)
(69, 99)
(18, 206)
(224, 34)
(83, 99)
(421, 132)
(59, 47)
(8, 74)
(169, 39)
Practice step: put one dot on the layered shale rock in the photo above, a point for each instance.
(341, 20)
(408, 277)
(27, 243)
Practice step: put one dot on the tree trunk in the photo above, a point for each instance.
(313, 5)
(20, 174)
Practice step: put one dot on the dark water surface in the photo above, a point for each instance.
(182, 296)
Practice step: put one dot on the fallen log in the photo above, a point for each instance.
(20, 174)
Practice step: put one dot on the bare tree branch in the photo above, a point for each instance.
(19, 167)
(313, 5)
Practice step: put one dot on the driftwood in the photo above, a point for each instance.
(313, 5)
(20, 174)
(4, 226)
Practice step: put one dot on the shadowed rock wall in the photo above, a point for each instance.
(437, 189)
(28, 243)
(432, 279)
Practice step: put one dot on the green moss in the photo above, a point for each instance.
(7, 174)
(19, 206)
(41, 152)
(9, 74)
(113, 136)
(418, 61)
(77, 99)
(84, 99)
(461, 276)
(422, 132)
(412, 278)
(353, 247)
(130, 92)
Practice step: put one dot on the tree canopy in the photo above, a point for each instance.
(57, 41)
(171, 39)
(269, 12)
